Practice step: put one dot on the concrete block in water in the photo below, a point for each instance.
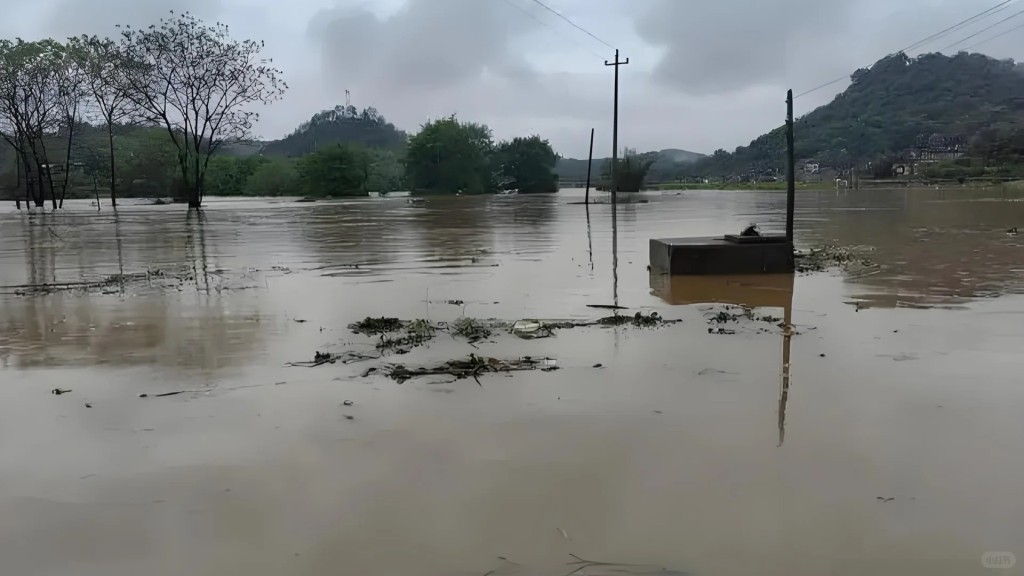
(719, 255)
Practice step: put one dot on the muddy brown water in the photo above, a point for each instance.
(894, 447)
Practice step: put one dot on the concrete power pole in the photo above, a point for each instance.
(615, 123)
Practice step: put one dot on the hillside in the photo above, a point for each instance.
(896, 104)
(667, 163)
(339, 125)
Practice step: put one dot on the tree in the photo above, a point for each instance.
(338, 170)
(527, 164)
(274, 177)
(631, 170)
(102, 62)
(30, 98)
(451, 156)
(71, 95)
(386, 171)
(228, 176)
(200, 84)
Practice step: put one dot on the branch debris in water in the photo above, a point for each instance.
(827, 257)
(472, 367)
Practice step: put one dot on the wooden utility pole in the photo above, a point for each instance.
(790, 168)
(615, 123)
(590, 162)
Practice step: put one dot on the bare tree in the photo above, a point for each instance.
(200, 84)
(30, 108)
(104, 80)
(72, 92)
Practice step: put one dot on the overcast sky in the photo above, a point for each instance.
(703, 74)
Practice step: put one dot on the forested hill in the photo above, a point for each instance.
(341, 125)
(895, 104)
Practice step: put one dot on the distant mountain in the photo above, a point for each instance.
(930, 102)
(341, 125)
(666, 164)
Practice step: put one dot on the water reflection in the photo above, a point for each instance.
(192, 326)
(754, 291)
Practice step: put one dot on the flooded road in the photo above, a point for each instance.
(889, 443)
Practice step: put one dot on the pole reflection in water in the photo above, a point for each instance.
(590, 240)
(755, 291)
(615, 254)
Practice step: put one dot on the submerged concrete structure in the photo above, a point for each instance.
(734, 254)
(721, 255)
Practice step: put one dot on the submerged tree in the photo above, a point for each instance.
(30, 108)
(200, 84)
(337, 170)
(528, 164)
(451, 156)
(631, 170)
(101, 60)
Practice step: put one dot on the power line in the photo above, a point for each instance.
(923, 41)
(978, 33)
(550, 27)
(825, 85)
(942, 33)
(991, 38)
(571, 23)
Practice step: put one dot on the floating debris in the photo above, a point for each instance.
(830, 256)
(149, 280)
(321, 358)
(59, 391)
(472, 367)
(375, 326)
(472, 329)
(531, 329)
(741, 313)
(640, 320)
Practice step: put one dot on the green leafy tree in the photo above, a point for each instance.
(386, 171)
(631, 170)
(528, 164)
(228, 176)
(338, 170)
(451, 156)
(274, 177)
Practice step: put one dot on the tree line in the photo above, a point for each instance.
(168, 110)
(342, 158)
(189, 79)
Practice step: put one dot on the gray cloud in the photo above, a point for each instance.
(725, 45)
(75, 17)
(427, 44)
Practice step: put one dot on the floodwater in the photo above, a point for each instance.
(889, 443)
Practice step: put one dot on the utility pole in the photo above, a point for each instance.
(615, 122)
(790, 168)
